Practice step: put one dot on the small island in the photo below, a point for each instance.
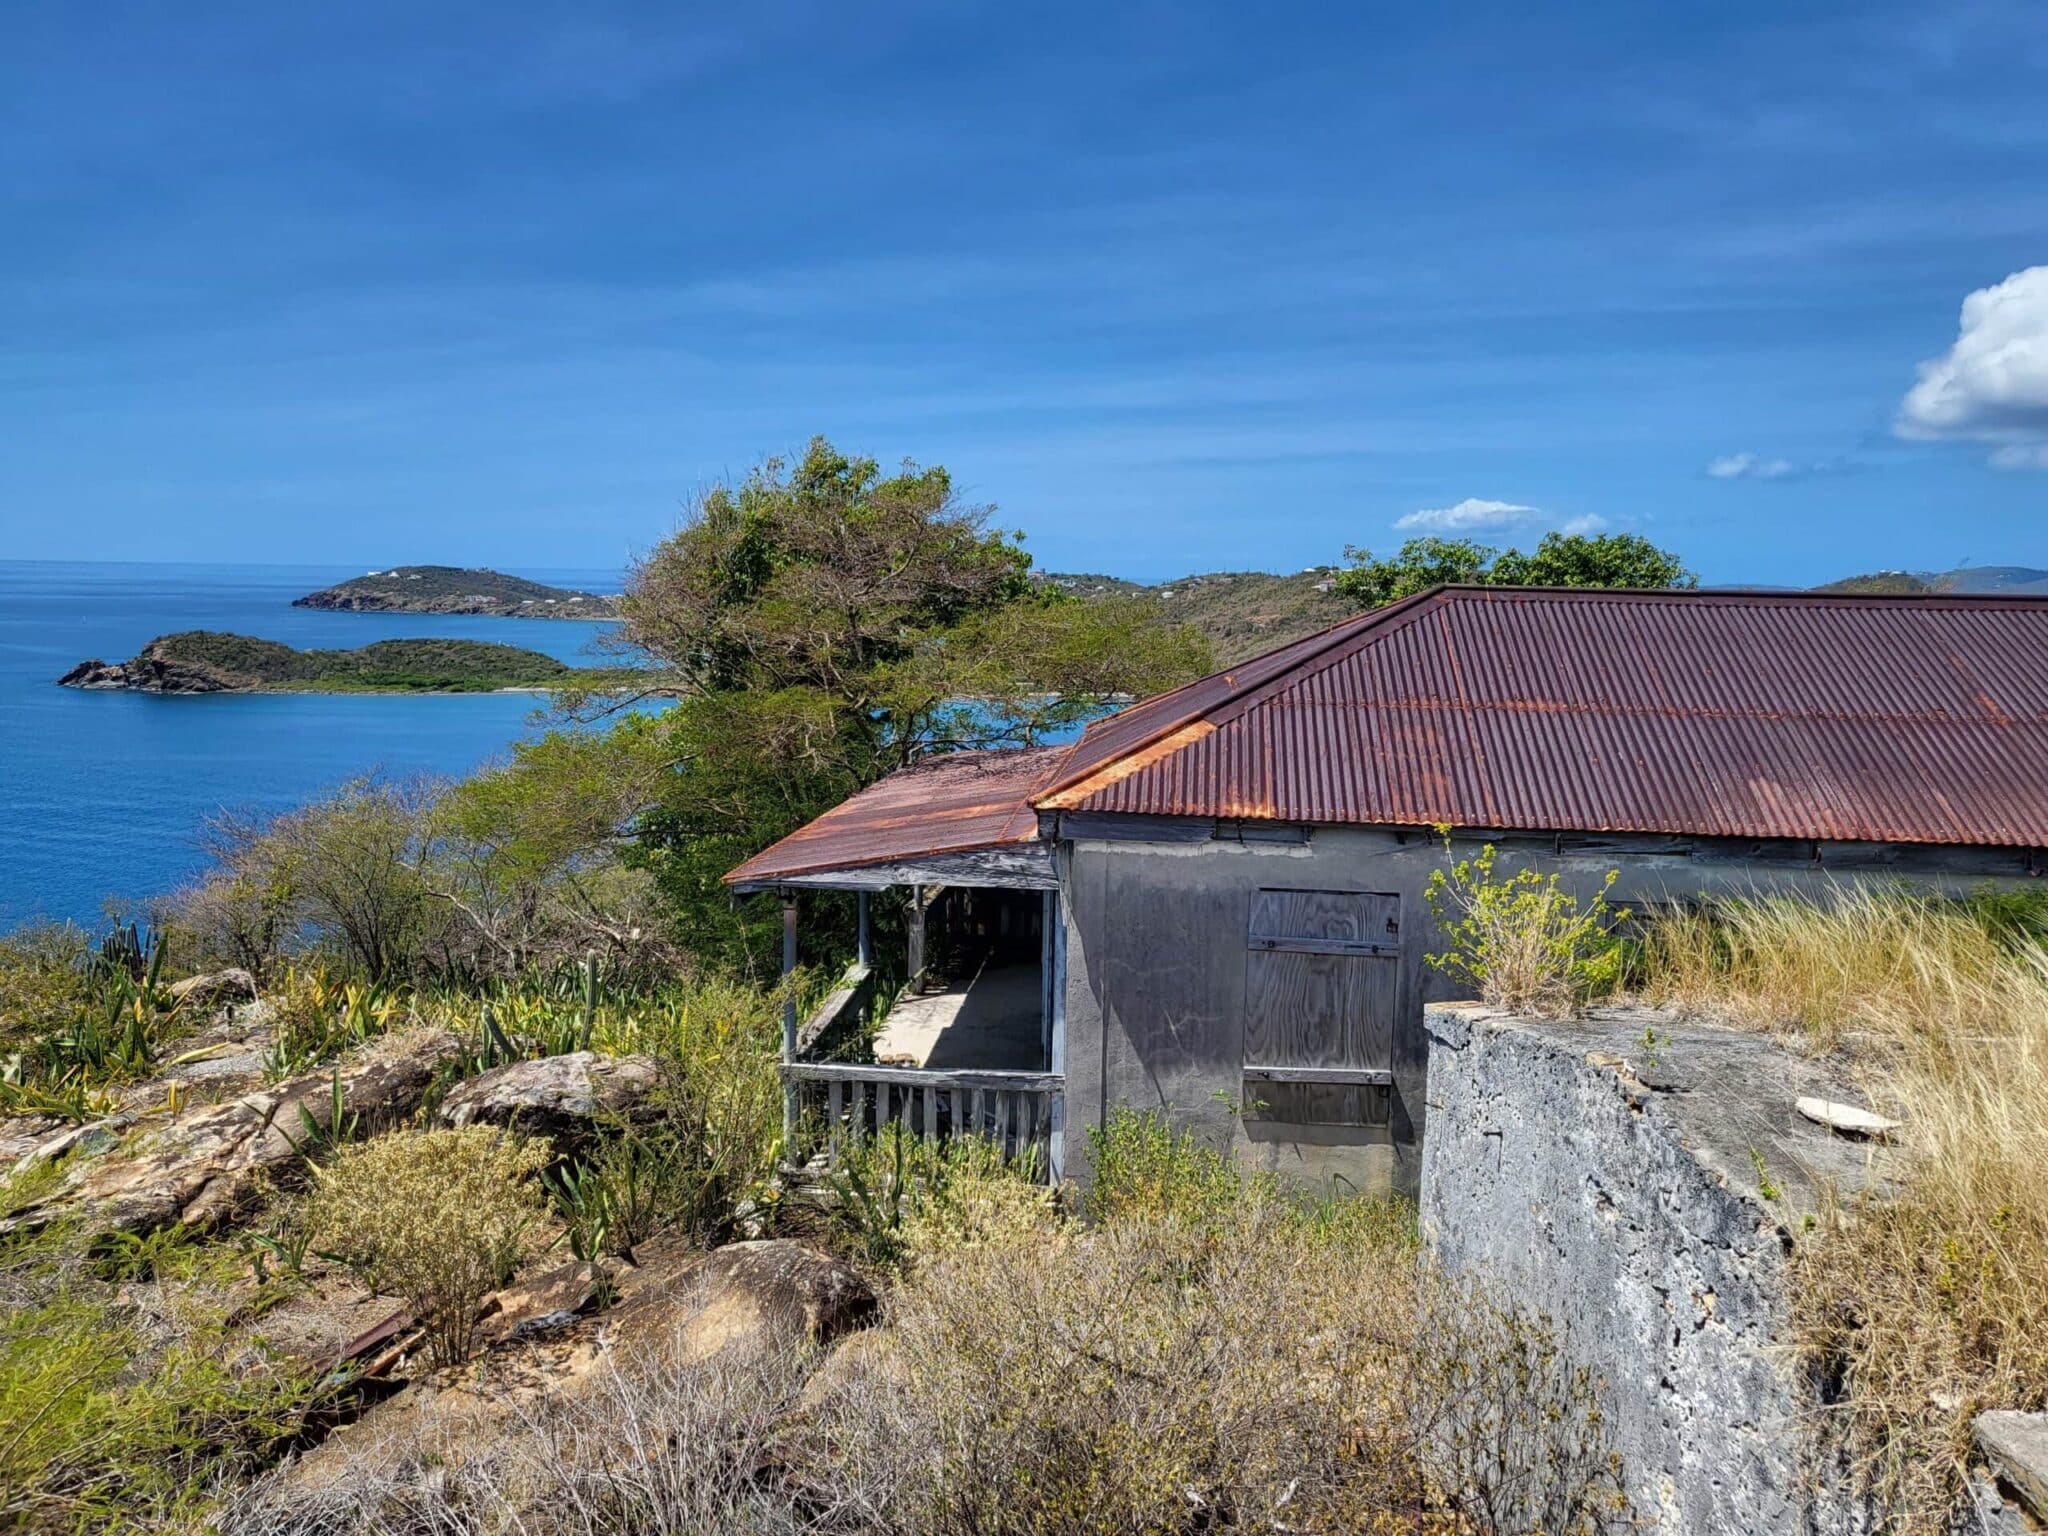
(456, 589)
(208, 661)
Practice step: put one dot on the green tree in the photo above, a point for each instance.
(1559, 560)
(822, 623)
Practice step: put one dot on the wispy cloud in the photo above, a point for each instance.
(1752, 466)
(1476, 515)
(1469, 516)
(1992, 385)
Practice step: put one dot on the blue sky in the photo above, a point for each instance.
(1177, 287)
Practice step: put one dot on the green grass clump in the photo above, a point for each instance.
(125, 1399)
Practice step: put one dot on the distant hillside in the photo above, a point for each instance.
(455, 589)
(1969, 578)
(1242, 612)
(209, 661)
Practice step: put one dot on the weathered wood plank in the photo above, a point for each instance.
(1336, 1075)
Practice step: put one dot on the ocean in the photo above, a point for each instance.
(102, 794)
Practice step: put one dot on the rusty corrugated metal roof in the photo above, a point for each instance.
(1732, 714)
(1770, 715)
(945, 804)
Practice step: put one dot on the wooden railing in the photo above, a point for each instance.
(1017, 1110)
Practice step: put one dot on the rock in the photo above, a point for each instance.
(2015, 1446)
(151, 671)
(676, 1308)
(212, 989)
(559, 1096)
(200, 1168)
(547, 1301)
(92, 1137)
(854, 1365)
(749, 1299)
(1849, 1119)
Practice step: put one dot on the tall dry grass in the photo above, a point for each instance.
(1922, 1309)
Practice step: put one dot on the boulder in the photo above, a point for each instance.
(200, 1168)
(559, 1096)
(676, 1308)
(214, 989)
(85, 1139)
(548, 1301)
(748, 1300)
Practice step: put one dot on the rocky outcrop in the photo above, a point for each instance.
(2015, 1451)
(755, 1307)
(1641, 1175)
(201, 1167)
(562, 1096)
(151, 671)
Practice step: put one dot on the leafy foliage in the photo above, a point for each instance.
(1559, 560)
(1524, 941)
(895, 1197)
(826, 623)
(1144, 1168)
(91, 1017)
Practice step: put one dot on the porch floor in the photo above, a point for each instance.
(993, 1022)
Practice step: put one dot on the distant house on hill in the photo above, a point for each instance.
(1213, 901)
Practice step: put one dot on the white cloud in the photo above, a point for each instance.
(1590, 522)
(1992, 385)
(1468, 515)
(1750, 466)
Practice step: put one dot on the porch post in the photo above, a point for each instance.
(1056, 1029)
(867, 949)
(788, 1026)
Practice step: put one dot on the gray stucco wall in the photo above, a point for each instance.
(1154, 1000)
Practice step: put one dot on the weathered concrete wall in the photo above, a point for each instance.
(1641, 1178)
(1616, 1168)
(1156, 966)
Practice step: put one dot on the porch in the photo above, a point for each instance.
(967, 1047)
(973, 1043)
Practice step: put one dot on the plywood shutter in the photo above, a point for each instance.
(1322, 989)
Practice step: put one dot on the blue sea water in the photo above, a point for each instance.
(102, 794)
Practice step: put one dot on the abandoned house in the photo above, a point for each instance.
(1212, 903)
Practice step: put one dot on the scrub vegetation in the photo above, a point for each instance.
(1202, 1354)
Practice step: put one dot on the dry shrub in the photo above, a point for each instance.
(648, 1444)
(1920, 1310)
(439, 1219)
(1305, 1374)
(1148, 1378)
(983, 1200)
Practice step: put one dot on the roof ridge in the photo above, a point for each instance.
(1741, 594)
